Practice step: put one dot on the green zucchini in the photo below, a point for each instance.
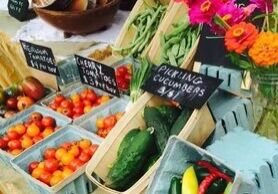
(169, 113)
(126, 142)
(129, 165)
(154, 118)
(180, 122)
(175, 187)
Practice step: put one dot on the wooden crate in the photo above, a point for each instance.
(198, 128)
(127, 34)
(177, 13)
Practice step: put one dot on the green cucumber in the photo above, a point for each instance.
(126, 142)
(154, 119)
(128, 167)
(169, 113)
(180, 122)
(175, 187)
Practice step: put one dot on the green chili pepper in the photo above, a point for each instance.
(175, 187)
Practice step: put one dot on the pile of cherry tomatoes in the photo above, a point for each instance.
(61, 162)
(23, 135)
(78, 103)
(123, 77)
(104, 125)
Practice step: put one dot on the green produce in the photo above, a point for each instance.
(228, 188)
(180, 122)
(154, 118)
(217, 187)
(189, 181)
(146, 24)
(139, 76)
(129, 165)
(178, 43)
(13, 91)
(169, 113)
(127, 141)
(175, 187)
(151, 161)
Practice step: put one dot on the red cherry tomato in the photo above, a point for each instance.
(79, 104)
(91, 96)
(51, 165)
(14, 144)
(49, 153)
(110, 121)
(75, 164)
(36, 116)
(66, 104)
(32, 166)
(67, 112)
(45, 177)
(87, 102)
(48, 122)
(39, 125)
(127, 77)
(53, 105)
(12, 135)
(58, 99)
(122, 70)
(78, 110)
(83, 94)
(3, 143)
(6, 139)
(84, 157)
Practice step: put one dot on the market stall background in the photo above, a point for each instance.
(228, 110)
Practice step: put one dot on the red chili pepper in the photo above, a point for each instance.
(205, 184)
(213, 170)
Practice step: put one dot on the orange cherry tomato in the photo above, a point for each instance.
(47, 131)
(37, 172)
(67, 158)
(75, 151)
(59, 153)
(26, 142)
(20, 129)
(84, 144)
(55, 180)
(33, 130)
(100, 123)
(67, 172)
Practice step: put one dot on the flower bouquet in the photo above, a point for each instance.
(250, 34)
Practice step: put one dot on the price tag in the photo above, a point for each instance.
(18, 9)
(188, 88)
(39, 57)
(97, 75)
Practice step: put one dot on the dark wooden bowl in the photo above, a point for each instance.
(80, 22)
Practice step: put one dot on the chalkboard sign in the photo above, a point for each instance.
(188, 88)
(18, 9)
(97, 75)
(39, 57)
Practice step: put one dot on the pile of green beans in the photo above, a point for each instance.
(177, 44)
(146, 24)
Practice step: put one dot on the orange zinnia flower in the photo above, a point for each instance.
(264, 51)
(240, 37)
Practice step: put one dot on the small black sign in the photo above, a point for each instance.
(97, 75)
(39, 57)
(18, 9)
(188, 88)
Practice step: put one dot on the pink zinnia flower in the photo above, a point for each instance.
(231, 14)
(202, 11)
(264, 5)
